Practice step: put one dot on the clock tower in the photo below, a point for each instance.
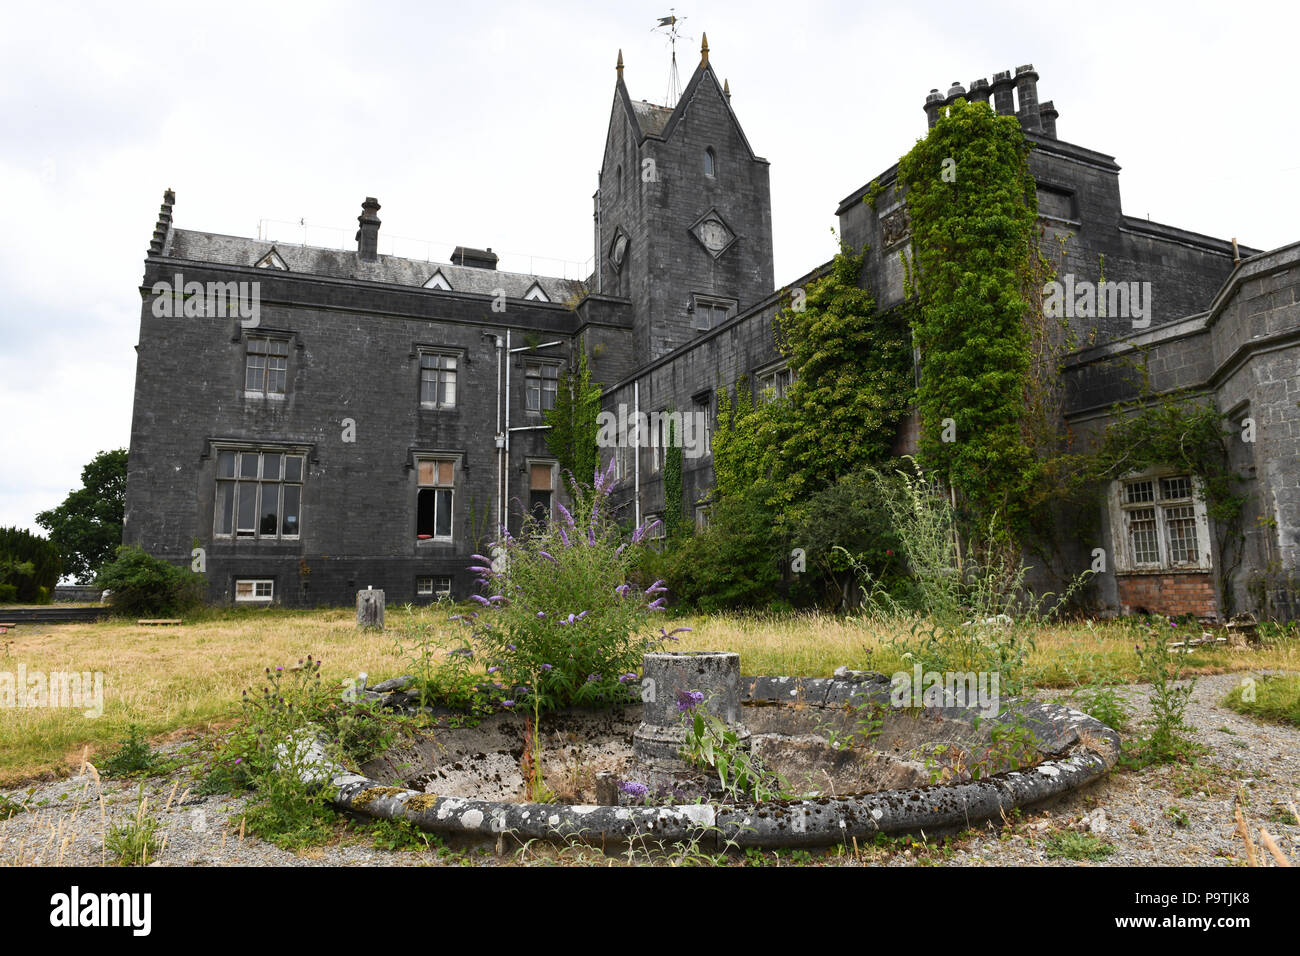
(683, 213)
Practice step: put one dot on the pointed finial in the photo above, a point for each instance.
(726, 89)
(704, 50)
(620, 64)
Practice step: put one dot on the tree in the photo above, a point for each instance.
(29, 567)
(87, 528)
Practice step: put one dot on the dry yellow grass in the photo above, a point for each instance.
(169, 680)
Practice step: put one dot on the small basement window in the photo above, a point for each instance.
(254, 590)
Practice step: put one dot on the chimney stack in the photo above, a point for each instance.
(1004, 103)
(368, 234)
(979, 91)
(932, 104)
(1047, 113)
(1027, 94)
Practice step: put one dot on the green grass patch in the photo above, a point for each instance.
(1068, 845)
(1273, 697)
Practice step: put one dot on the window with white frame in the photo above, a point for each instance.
(435, 499)
(540, 383)
(254, 590)
(773, 383)
(266, 366)
(438, 379)
(433, 586)
(259, 494)
(702, 410)
(1160, 523)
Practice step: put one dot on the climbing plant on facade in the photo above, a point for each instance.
(972, 206)
(851, 384)
(572, 435)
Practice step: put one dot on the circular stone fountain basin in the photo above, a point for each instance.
(935, 769)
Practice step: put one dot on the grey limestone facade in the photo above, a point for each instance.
(380, 417)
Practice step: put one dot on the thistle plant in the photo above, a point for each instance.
(557, 614)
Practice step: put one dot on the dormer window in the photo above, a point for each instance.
(710, 163)
(438, 281)
(536, 293)
(272, 260)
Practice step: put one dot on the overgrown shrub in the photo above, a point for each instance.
(145, 585)
(731, 563)
(558, 615)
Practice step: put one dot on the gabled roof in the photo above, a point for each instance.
(652, 121)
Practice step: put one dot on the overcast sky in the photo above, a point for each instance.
(483, 125)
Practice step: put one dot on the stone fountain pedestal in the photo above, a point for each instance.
(668, 685)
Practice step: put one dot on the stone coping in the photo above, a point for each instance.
(1084, 749)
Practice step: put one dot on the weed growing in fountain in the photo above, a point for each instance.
(712, 745)
(558, 616)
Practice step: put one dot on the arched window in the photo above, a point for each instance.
(709, 162)
(618, 186)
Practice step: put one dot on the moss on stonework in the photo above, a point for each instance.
(368, 796)
(422, 801)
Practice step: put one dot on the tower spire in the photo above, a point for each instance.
(619, 68)
(704, 50)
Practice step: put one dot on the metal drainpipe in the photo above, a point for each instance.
(505, 484)
(500, 432)
(636, 451)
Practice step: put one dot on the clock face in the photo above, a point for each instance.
(714, 234)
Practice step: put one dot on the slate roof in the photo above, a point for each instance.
(346, 264)
(651, 118)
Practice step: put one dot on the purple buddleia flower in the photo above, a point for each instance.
(548, 557)
(481, 600)
(592, 678)
(656, 588)
(688, 700)
(564, 537)
(541, 614)
(619, 549)
(493, 670)
(668, 636)
(480, 570)
(568, 518)
(644, 530)
(546, 667)
(481, 559)
(624, 678)
(634, 789)
(656, 605)
(622, 590)
(507, 703)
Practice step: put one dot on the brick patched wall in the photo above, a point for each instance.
(1171, 594)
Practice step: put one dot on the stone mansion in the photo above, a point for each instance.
(304, 473)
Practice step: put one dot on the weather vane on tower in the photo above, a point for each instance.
(668, 25)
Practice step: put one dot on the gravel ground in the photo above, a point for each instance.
(1162, 816)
